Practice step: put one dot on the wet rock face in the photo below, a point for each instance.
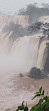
(46, 66)
(35, 73)
(21, 75)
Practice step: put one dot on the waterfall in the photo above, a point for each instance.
(21, 56)
(42, 55)
(22, 53)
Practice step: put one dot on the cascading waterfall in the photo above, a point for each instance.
(42, 55)
(24, 54)
(21, 56)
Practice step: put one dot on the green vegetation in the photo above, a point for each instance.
(42, 105)
(34, 11)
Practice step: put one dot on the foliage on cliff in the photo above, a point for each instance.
(42, 105)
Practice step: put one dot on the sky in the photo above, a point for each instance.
(12, 6)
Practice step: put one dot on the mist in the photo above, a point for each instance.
(20, 40)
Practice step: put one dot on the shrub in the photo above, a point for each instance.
(42, 105)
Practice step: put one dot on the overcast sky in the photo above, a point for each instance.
(13, 6)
